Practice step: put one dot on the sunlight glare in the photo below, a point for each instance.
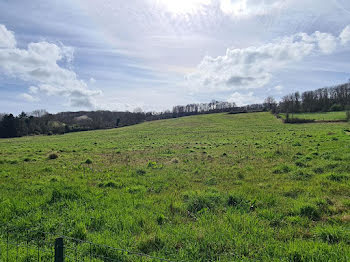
(183, 6)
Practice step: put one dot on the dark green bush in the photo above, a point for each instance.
(336, 107)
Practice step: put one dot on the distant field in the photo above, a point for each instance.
(213, 187)
(327, 116)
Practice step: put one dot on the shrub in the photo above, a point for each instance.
(336, 107)
(298, 120)
(53, 156)
(348, 113)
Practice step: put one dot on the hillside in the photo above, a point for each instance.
(230, 187)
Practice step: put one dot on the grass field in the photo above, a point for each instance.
(326, 116)
(230, 187)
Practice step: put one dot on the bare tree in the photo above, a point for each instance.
(39, 113)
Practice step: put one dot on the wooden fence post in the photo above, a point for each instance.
(59, 250)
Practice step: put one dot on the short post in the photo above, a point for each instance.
(59, 250)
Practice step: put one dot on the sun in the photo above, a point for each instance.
(181, 7)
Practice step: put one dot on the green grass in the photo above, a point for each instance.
(230, 187)
(327, 116)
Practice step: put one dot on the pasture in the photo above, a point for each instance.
(326, 116)
(212, 187)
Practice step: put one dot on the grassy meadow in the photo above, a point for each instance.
(212, 187)
(326, 116)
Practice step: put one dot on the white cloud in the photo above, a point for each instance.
(345, 35)
(254, 67)
(278, 88)
(7, 38)
(244, 99)
(326, 42)
(33, 89)
(28, 97)
(246, 8)
(39, 64)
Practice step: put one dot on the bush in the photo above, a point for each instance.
(53, 156)
(348, 113)
(336, 107)
(298, 120)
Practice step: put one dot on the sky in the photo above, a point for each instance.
(73, 55)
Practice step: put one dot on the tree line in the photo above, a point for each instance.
(335, 98)
(41, 122)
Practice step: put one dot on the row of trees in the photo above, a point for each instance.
(41, 122)
(335, 98)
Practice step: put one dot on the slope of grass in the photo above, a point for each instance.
(326, 116)
(209, 187)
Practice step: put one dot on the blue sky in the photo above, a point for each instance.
(120, 55)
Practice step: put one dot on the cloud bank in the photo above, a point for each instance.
(254, 67)
(40, 65)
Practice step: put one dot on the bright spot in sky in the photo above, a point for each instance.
(236, 8)
(181, 7)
